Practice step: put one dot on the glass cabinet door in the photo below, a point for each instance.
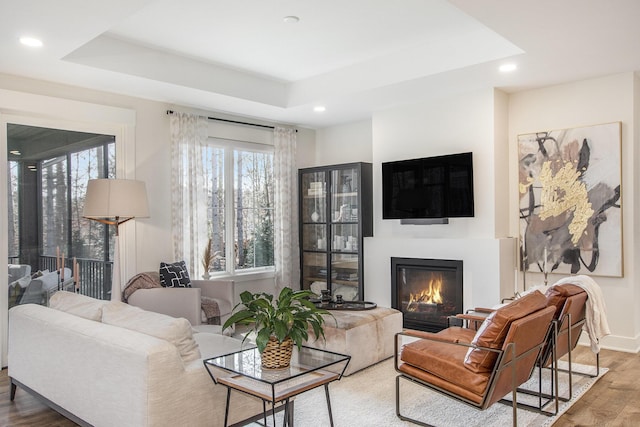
(335, 215)
(314, 198)
(344, 195)
(345, 278)
(315, 271)
(313, 220)
(344, 233)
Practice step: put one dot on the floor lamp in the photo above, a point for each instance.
(113, 202)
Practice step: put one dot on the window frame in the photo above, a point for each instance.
(13, 176)
(230, 147)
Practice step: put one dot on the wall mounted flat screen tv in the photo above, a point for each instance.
(431, 187)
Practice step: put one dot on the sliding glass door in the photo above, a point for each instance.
(48, 171)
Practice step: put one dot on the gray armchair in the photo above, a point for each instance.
(40, 289)
(19, 278)
(187, 302)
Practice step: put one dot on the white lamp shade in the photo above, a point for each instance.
(111, 198)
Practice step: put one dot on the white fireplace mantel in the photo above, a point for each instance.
(489, 266)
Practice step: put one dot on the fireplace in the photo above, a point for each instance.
(426, 291)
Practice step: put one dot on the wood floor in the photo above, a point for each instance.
(613, 401)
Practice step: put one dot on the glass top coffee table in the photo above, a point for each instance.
(310, 368)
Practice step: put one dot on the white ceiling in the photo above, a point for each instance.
(353, 56)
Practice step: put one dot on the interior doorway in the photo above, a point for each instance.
(52, 112)
(47, 173)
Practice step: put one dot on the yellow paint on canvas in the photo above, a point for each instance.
(563, 192)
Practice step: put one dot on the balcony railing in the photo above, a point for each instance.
(95, 276)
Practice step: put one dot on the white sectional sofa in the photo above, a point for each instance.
(110, 364)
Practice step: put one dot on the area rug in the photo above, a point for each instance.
(367, 398)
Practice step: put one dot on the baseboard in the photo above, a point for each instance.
(615, 342)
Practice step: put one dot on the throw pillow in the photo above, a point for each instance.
(174, 275)
(39, 273)
(494, 329)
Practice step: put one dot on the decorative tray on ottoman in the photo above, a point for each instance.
(345, 305)
(326, 302)
(349, 305)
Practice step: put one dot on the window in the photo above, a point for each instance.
(88, 237)
(64, 184)
(241, 213)
(54, 206)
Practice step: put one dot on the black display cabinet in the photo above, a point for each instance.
(335, 204)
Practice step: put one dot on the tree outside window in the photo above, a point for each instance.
(243, 212)
(64, 186)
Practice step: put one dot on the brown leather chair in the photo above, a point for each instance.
(569, 302)
(477, 367)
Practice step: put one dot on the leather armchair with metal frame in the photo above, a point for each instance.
(569, 302)
(477, 367)
(570, 317)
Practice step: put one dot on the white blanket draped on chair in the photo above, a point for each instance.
(596, 324)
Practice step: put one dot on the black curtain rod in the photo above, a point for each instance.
(235, 122)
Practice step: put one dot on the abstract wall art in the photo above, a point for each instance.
(569, 200)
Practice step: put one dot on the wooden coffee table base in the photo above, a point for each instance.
(281, 392)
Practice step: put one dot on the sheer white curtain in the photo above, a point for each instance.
(286, 209)
(188, 196)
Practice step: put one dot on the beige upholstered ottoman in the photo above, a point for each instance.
(365, 335)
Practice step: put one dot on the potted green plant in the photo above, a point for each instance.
(278, 324)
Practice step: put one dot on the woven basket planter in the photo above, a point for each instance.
(277, 355)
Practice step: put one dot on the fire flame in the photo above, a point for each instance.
(431, 294)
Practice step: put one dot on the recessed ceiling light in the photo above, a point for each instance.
(291, 19)
(320, 109)
(31, 41)
(15, 152)
(507, 68)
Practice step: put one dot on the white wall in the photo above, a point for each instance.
(501, 157)
(444, 126)
(602, 100)
(344, 144)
